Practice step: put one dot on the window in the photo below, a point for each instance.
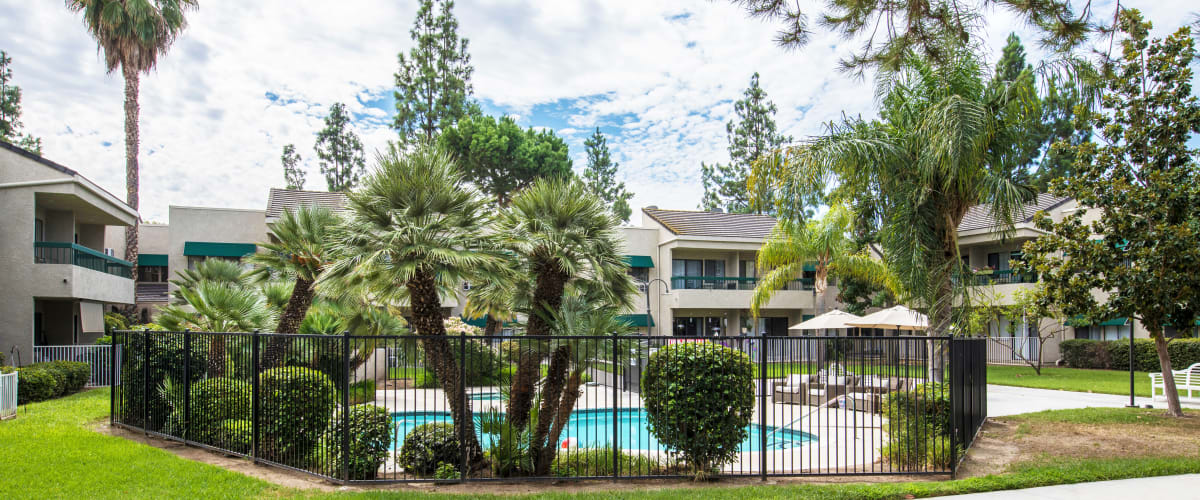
(993, 260)
(1103, 332)
(640, 274)
(466, 285)
(698, 268)
(697, 327)
(39, 230)
(152, 274)
(966, 261)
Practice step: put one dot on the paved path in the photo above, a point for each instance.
(1008, 400)
(1166, 487)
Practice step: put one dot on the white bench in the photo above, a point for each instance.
(1187, 379)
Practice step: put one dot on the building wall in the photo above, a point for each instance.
(224, 225)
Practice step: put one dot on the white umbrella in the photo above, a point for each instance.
(898, 318)
(834, 319)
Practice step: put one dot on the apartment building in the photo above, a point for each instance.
(58, 277)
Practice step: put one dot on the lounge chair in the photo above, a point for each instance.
(829, 388)
(868, 395)
(793, 389)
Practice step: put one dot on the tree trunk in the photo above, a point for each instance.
(570, 394)
(552, 389)
(1164, 362)
(216, 356)
(939, 320)
(547, 296)
(442, 356)
(297, 307)
(491, 326)
(131, 163)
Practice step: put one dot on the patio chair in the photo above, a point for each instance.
(868, 395)
(793, 389)
(830, 388)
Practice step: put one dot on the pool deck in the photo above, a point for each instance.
(833, 428)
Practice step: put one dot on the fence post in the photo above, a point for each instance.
(146, 381)
(462, 385)
(616, 404)
(955, 381)
(112, 380)
(346, 406)
(762, 405)
(254, 410)
(187, 383)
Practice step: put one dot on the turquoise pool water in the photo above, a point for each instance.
(486, 396)
(594, 429)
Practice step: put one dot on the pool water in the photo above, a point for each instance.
(594, 429)
(486, 396)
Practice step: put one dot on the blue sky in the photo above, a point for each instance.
(246, 78)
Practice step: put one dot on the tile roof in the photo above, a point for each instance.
(979, 216)
(281, 200)
(716, 224)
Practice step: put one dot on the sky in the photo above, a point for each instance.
(659, 78)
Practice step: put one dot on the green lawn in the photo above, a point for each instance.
(1070, 379)
(51, 451)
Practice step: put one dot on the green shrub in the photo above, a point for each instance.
(427, 446)
(446, 471)
(235, 435)
(483, 366)
(76, 374)
(591, 462)
(510, 351)
(370, 429)
(1114, 354)
(35, 383)
(114, 321)
(213, 402)
(165, 359)
(60, 377)
(105, 340)
(294, 411)
(699, 397)
(916, 420)
(362, 392)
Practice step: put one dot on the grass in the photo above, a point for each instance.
(51, 451)
(1070, 379)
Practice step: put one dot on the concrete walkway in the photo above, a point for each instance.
(1008, 400)
(1166, 487)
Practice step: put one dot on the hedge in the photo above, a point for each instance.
(295, 409)
(370, 429)
(42, 381)
(918, 427)
(1114, 354)
(215, 401)
(427, 446)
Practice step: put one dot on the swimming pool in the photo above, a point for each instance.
(594, 429)
(485, 396)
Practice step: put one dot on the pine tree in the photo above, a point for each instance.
(1012, 60)
(434, 81)
(340, 150)
(293, 174)
(751, 135)
(10, 111)
(600, 175)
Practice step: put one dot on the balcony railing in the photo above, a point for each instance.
(57, 252)
(1002, 277)
(731, 283)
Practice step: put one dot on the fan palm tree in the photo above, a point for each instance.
(561, 234)
(300, 251)
(132, 34)
(826, 243)
(414, 231)
(214, 306)
(939, 147)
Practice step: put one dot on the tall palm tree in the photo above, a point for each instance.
(414, 231)
(826, 243)
(938, 148)
(132, 34)
(561, 234)
(300, 251)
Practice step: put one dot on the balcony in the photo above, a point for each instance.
(1001, 277)
(55, 252)
(731, 283)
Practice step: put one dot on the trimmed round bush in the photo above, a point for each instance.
(699, 397)
(918, 425)
(215, 401)
(235, 435)
(294, 411)
(428, 445)
(76, 374)
(370, 430)
(60, 377)
(35, 383)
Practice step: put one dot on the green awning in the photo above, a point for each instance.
(481, 322)
(806, 317)
(152, 259)
(639, 261)
(810, 266)
(1079, 320)
(213, 249)
(637, 320)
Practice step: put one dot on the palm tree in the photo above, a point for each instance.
(939, 147)
(414, 232)
(300, 250)
(561, 234)
(826, 243)
(492, 301)
(132, 34)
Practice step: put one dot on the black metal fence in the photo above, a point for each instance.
(416, 408)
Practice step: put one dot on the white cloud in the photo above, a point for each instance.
(664, 74)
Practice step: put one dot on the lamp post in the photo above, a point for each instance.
(649, 285)
(1132, 403)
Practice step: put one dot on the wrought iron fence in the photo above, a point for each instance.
(1013, 350)
(446, 408)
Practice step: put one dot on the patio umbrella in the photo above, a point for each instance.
(831, 320)
(898, 318)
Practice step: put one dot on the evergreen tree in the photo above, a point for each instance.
(501, 159)
(752, 135)
(600, 175)
(340, 150)
(1012, 60)
(434, 81)
(10, 111)
(292, 172)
